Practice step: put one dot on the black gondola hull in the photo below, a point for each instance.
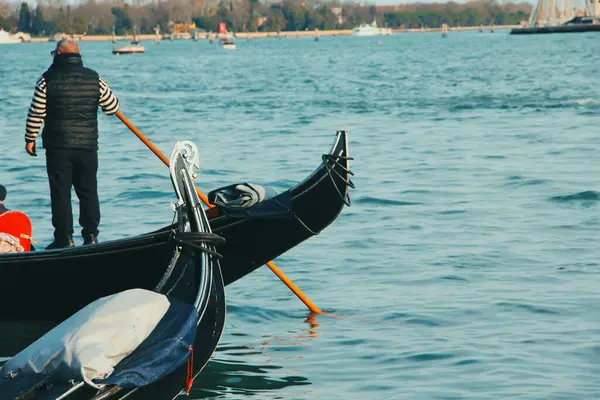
(191, 275)
(39, 288)
(575, 25)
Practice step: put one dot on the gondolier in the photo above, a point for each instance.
(66, 101)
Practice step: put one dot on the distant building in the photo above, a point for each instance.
(337, 11)
(198, 4)
(592, 8)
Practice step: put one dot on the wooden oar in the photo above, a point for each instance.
(210, 212)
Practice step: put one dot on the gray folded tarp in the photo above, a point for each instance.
(240, 196)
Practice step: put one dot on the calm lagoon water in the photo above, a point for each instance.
(467, 266)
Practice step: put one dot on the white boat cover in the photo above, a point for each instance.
(92, 341)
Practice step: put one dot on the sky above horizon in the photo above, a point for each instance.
(396, 2)
(366, 2)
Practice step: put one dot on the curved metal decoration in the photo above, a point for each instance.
(190, 155)
(191, 158)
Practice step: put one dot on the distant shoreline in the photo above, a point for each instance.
(260, 35)
(486, 28)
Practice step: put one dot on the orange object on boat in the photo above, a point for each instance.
(17, 224)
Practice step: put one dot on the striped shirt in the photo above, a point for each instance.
(37, 111)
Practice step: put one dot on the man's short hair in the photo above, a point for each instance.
(67, 45)
(2, 193)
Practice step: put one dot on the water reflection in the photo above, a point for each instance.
(243, 365)
(309, 333)
(237, 377)
(311, 320)
(241, 368)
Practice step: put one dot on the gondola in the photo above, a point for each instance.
(40, 288)
(173, 345)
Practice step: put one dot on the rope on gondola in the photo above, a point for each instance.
(329, 158)
(196, 239)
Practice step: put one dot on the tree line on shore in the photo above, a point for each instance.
(102, 17)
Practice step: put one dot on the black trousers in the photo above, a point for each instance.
(73, 168)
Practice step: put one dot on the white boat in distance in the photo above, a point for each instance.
(370, 30)
(227, 44)
(136, 48)
(19, 37)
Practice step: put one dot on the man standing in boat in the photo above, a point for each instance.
(66, 101)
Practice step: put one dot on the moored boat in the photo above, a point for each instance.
(228, 44)
(59, 282)
(370, 30)
(132, 49)
(575, 25)
(561, 16)
(19, 37)
(137, 343)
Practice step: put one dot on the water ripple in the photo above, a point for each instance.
(385, 202)
(587, 197)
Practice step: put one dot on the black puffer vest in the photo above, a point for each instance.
(72, 97)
